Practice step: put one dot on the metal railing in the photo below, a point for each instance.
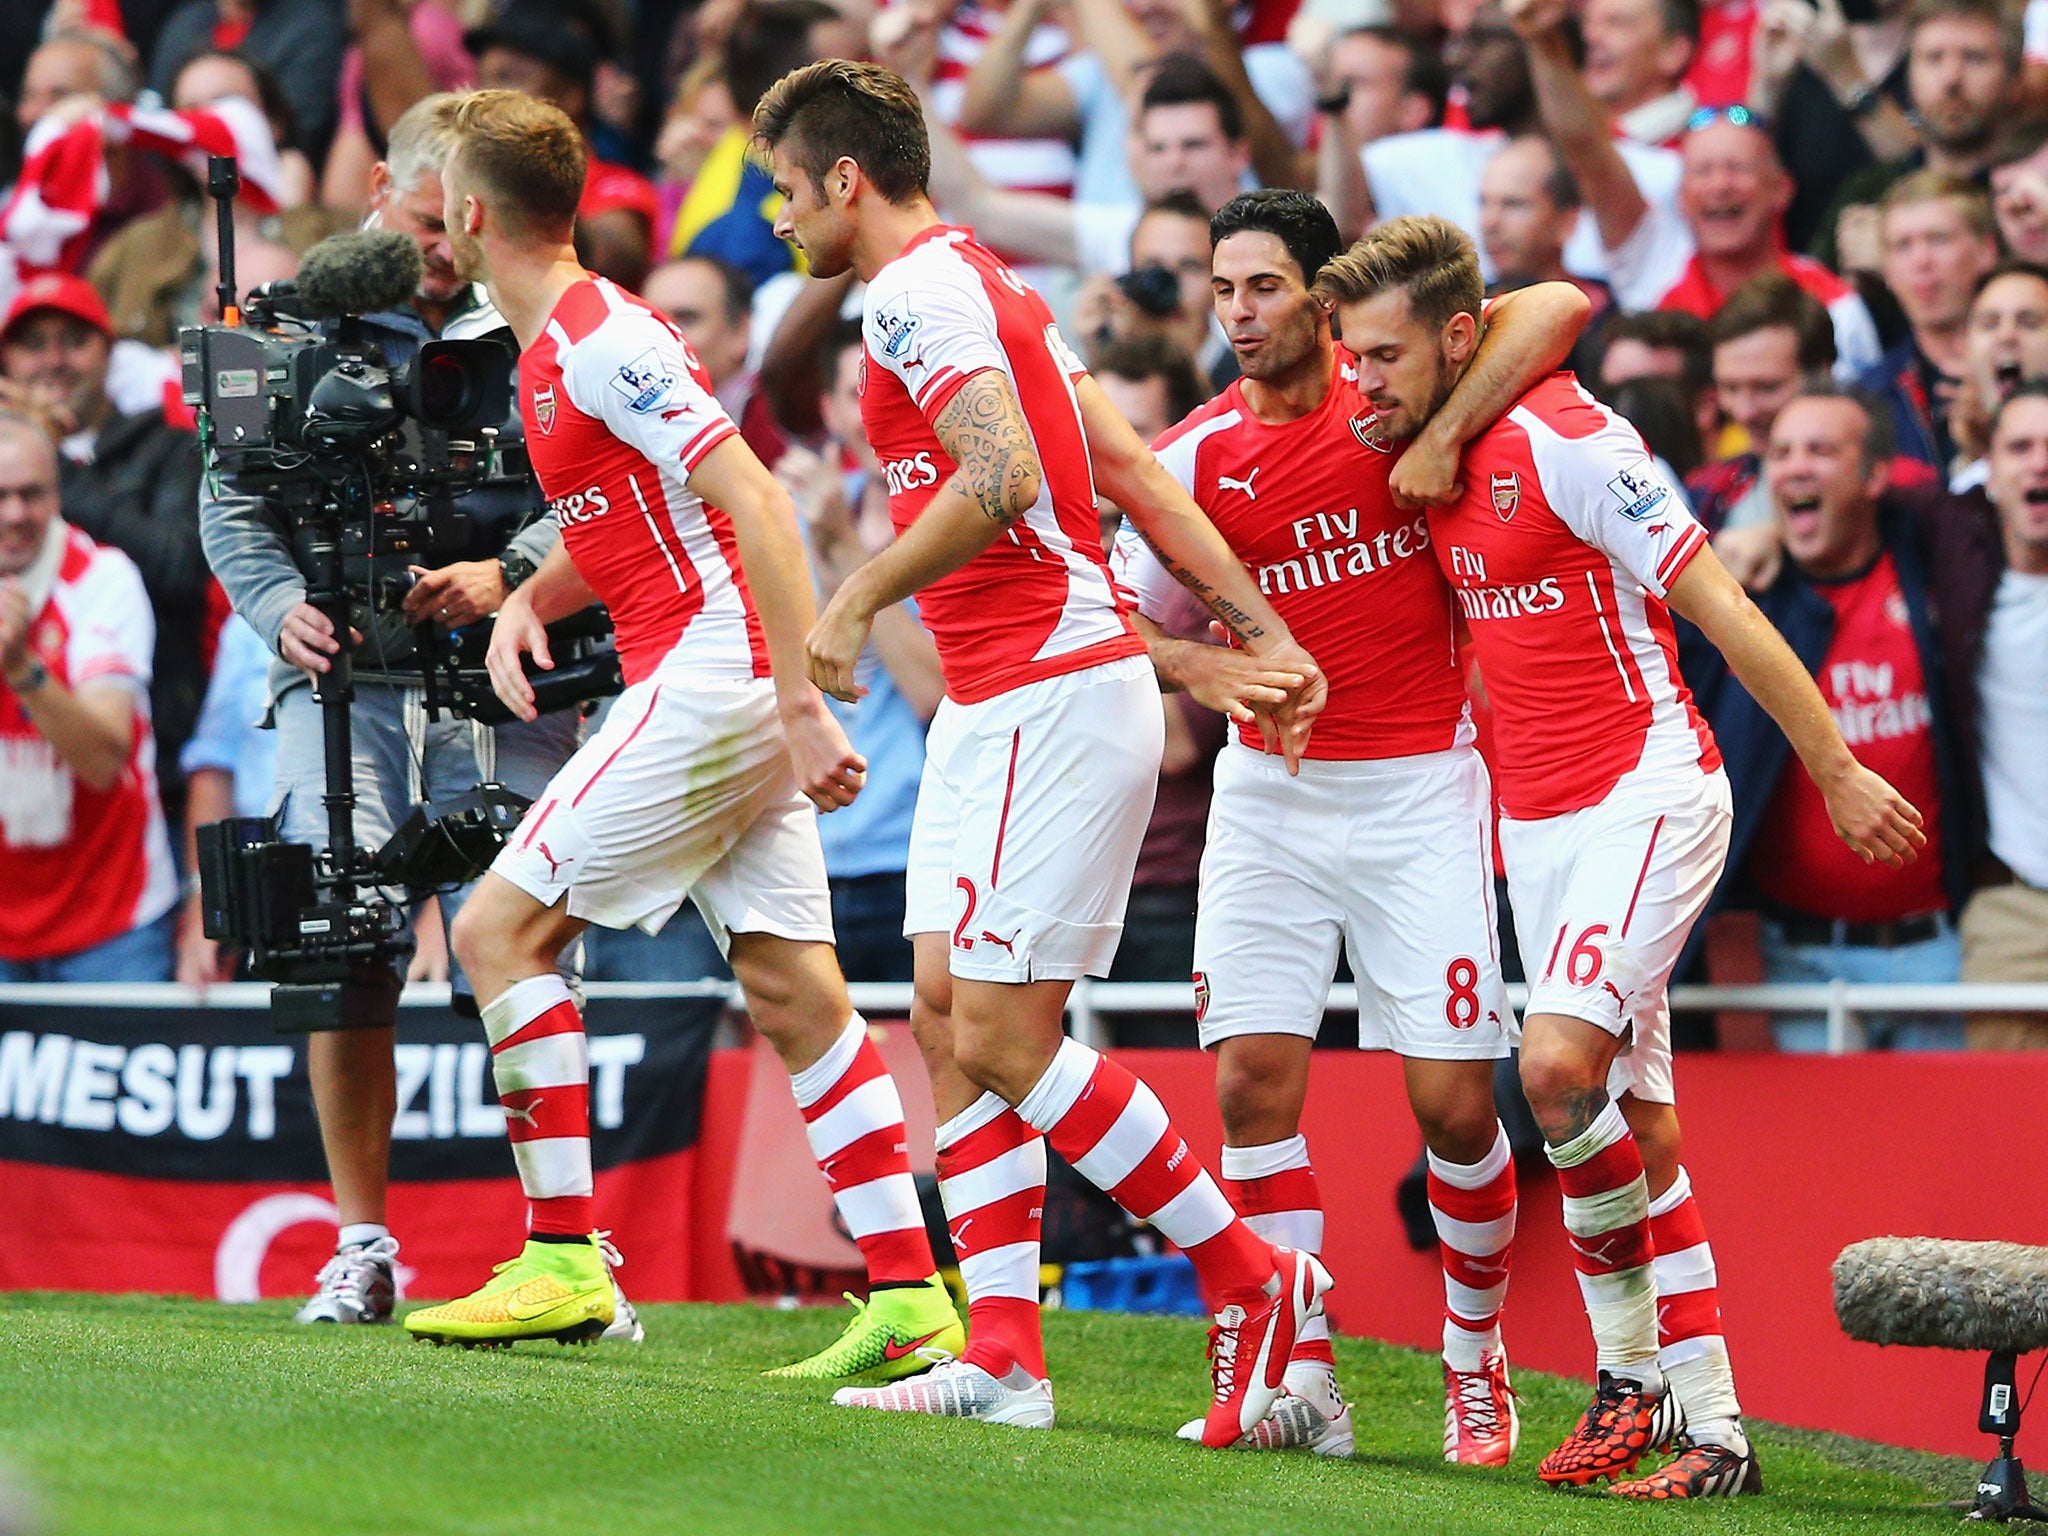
(1093, 1007)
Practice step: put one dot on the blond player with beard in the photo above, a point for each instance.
(1568, 552)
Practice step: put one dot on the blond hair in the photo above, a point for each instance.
(1430, 259)
(527, 154)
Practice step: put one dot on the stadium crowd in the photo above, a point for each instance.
(1757, 196)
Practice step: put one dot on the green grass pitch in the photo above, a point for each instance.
(160, 1418)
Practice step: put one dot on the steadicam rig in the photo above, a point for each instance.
(362, 445)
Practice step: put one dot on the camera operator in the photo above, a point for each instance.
(400, 758)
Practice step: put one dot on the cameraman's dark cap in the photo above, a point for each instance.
(64, 292)
(539, 30)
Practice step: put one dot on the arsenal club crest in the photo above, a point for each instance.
(544, 406)
(1201, 996)
(1507, 493)
(1366, 429)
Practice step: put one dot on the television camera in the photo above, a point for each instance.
(366, 451)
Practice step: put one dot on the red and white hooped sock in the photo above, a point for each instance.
(540, 1059)
(992, 1183)
(1274, 1189)
(853, 1117)
(1114, 1130)
(1607, 1222)
(1473, 1206)
(1691, 1348)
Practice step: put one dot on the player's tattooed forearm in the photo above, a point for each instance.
(982, 428)
(1232, 617)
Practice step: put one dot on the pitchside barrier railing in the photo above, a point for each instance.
(1094, 1005)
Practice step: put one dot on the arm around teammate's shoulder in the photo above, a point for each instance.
(1528, 335)
(1874, 819)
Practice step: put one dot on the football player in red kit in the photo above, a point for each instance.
(1568, 551)
(1042, 760)
(702, 782)
(1382, 845)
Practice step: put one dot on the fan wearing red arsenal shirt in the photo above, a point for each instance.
(1042, 760)
(1383, 844)
(1563, 545)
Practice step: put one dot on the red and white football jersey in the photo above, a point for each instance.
(618, 413)
(1305, 506)
(1560, 553)
(79, 865)
(1038, 602)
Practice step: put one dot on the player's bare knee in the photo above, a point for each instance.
(932, 1029)
(1562, 1094)
(990, 1057)
(771, 994)
(1256, 1103)
(471, 941)
(979, 1054)
(1458, 1131)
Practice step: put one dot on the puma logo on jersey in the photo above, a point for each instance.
(580, 506)
(1008, 946)
(910, 474)
(554, 864)
(1231, 483)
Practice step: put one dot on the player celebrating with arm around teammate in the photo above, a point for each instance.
(1568, 552)
(697, 785)
(1383, 844)
(1041, 763)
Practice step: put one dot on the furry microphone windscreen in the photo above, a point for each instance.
(1989, 1297)
(360, 274)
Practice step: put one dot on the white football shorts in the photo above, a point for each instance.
(1604, 899)
(1029, 817)
(687, 791)
(1392, 859)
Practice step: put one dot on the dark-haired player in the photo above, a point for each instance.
(1383, 844)
(1568, 553)
(1042, 760)
(702, 781)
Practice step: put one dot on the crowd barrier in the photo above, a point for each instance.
(150, 1143)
